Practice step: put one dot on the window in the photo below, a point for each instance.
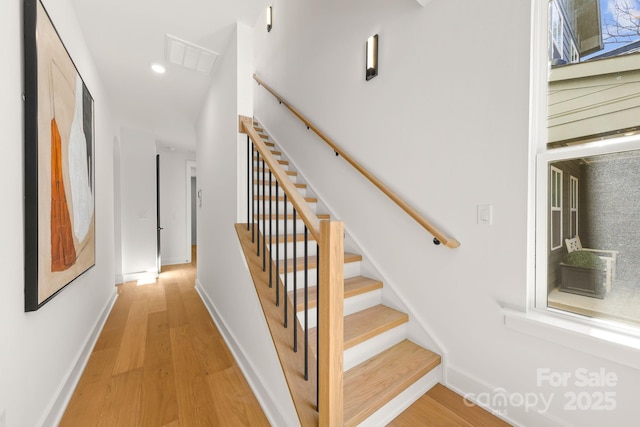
(587, 156)
(573, 206)
(556, 26)
(555, 205)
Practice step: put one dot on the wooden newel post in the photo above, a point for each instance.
(331, 329)
(244, 123)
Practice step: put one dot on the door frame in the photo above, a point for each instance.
(189, 165)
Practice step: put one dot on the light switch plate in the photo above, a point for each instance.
(485, 214)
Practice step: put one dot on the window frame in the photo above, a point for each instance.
(575, 55)
(555, 12)
(611, 341)
(574, 193)
(555, 207)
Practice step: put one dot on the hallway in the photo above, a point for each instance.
(161, 361)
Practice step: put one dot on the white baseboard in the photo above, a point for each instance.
(270, 407)
(61, 398)
(470, 388)
(119, 279)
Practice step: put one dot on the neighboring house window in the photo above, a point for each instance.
(556, 208)
(573, 206)
(556, 26)
(575, 56)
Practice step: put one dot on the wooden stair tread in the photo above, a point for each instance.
(312, 263)
(273, 183)
(352, 286)
(281, 198)
(365, 324)
(289, 216)
(375, 382)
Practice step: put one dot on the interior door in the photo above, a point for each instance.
(159, 228)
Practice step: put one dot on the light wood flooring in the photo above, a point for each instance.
(441, 407)
(161, 361)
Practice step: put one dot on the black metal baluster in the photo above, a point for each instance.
(253, 202)
(277, 247)
(264, 221)
(257, 199)
(306, 304)
(270, 232)
(295, 281)
(286, 272)
(318, 327)
(249, 152)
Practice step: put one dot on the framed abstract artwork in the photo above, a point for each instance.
(59, 163)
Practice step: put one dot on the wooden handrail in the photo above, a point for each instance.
(293, 195)
(440, 236)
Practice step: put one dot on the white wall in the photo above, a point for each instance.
(173, 206)
(223, 276)
(138, 202)
(445, 124)
(117, 210)
(39, 350)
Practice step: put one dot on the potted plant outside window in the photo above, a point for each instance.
(583, 273)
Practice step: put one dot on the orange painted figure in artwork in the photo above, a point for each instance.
(63, 251)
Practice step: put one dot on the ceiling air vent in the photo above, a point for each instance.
(189, 55)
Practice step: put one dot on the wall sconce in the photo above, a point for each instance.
(372, 57)
(269, 18)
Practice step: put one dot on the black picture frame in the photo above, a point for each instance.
(59, 163)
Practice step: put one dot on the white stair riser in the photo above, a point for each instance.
(311, 248)
(258, 191)
(351, 269)
(371, 347)
(351, 305)
(259, 163)
(257, 176)
(311, 278)
(280, 226)
(280, 206)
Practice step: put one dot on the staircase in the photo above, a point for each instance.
(384, 372)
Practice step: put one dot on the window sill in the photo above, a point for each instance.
(615, 346)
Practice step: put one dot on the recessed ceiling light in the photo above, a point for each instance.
(158, 68)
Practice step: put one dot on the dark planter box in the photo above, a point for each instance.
(582, 280)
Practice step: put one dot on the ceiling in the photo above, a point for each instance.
(126, 36)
